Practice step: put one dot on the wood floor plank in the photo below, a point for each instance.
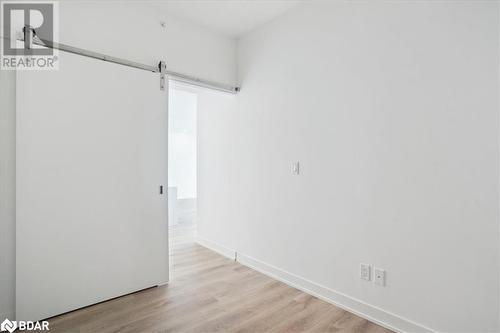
(210, 293)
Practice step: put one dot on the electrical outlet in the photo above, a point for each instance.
(379, 276)
(364, 272)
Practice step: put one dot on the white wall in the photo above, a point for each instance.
(391, 108)
(127, 30)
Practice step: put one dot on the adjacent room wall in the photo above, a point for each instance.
(182, 153)
(7, 192)
(183, 106)
(391, 109)
(126, 30)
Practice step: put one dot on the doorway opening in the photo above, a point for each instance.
(182, 162)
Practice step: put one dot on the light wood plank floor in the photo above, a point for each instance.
(210, 293)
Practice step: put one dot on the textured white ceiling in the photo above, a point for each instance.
(229, 17)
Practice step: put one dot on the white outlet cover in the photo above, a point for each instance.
(364, 272)
(379, 276)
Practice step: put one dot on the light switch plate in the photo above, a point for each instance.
(295, 168)
(364, 271)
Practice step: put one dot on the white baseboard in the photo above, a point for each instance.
(372, 313)
(358, 307)
(226, 252)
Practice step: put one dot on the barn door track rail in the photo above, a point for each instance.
(29, 37)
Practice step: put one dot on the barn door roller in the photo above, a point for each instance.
(162, 67)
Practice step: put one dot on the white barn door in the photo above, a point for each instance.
(91, 157)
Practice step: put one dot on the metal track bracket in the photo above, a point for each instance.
(28, 35)
(162, 68)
